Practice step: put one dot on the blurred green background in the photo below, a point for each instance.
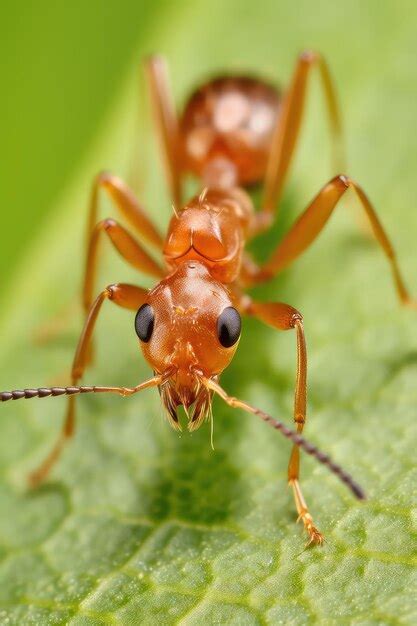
(63, 68)
(136, 524)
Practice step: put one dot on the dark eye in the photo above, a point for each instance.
(144, 322)
(229, 326)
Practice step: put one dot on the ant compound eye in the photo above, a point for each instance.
(144, 322)
(229, 326)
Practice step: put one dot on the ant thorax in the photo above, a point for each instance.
(212, 228)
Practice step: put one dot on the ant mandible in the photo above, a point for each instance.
(234, 132)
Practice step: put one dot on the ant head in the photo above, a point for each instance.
(188, 330)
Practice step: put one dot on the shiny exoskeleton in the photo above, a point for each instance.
(233, 133)
(226, 130)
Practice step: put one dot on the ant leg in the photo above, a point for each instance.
(128, 248)
(126, 245)
(166, 122)
(310, 224)
(128, 206)
(288, 127)
(284, 317)
(126, 296)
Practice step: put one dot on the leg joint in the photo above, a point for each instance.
(104, 178)
(309, 56)
(344, 180)
(103, 225)
(296, 320)
(107, 224)
(111, 291)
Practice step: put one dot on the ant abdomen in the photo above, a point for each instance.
(227, 129)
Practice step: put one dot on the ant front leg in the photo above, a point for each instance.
(287, 130)
(125, 296)
(310, 224)
(284, 317)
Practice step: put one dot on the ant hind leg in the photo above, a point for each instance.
(287, 131)
(166, 122)
(310, 224)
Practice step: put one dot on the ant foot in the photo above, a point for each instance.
(315, 536)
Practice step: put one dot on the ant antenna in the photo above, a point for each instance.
(45, 392)
(312, 450)
(295, 437)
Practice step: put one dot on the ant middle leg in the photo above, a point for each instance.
(125, 296)
(128, 248)
(310, 224)
(126, 202)
(284, 317)
(287, 131)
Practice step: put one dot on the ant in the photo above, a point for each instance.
(235, 132)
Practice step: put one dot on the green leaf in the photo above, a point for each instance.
(140, 525)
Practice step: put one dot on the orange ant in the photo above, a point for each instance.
(234, 132)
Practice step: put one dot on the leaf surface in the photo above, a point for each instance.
(141, 525)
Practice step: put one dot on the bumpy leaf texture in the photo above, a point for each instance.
(141, 525)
